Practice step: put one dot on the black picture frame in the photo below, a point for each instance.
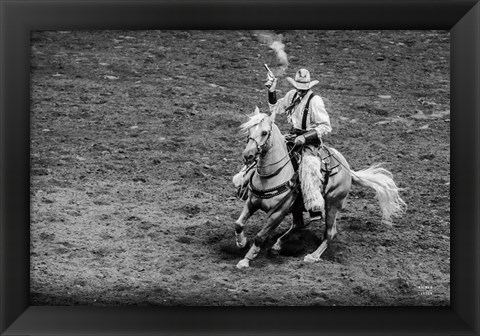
(18, 18)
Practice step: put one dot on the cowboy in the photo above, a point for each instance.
(310, 122)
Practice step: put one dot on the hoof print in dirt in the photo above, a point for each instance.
(190, 231)
(191, 209)
(184, 240)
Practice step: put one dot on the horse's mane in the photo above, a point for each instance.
(255, 119)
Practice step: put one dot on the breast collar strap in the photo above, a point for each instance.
(272, 192)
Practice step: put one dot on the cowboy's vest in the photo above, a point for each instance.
(305, 109)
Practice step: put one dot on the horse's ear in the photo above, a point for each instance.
(257, 110)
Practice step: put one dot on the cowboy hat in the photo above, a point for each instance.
(302, 80)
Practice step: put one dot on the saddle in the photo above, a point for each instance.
(329, 163)
(329, 167)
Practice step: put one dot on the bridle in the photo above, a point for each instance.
(261, 150)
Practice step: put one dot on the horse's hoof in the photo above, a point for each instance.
(310, 259)
(275, 250)
(244, 263)
(242, 244)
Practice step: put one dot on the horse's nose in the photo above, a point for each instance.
(248, 155)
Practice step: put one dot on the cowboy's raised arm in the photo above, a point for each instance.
(275, 104)
(281, 105)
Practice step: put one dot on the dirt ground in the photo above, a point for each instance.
(135, 139)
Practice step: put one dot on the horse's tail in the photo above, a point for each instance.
(387, 192)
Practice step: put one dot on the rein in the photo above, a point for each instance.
(261, 149)
(279, 169)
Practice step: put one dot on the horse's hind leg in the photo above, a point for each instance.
(330, 230)
(297, 224)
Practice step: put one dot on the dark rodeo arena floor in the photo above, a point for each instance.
(135, 138)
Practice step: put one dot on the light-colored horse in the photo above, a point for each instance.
(273, 188)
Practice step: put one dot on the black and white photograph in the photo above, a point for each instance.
(240, 168)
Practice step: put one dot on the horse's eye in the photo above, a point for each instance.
(264, 133)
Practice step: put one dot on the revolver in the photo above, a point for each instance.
(270, 74)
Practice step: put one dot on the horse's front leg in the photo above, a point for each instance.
(247, 212)
(272, 222)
